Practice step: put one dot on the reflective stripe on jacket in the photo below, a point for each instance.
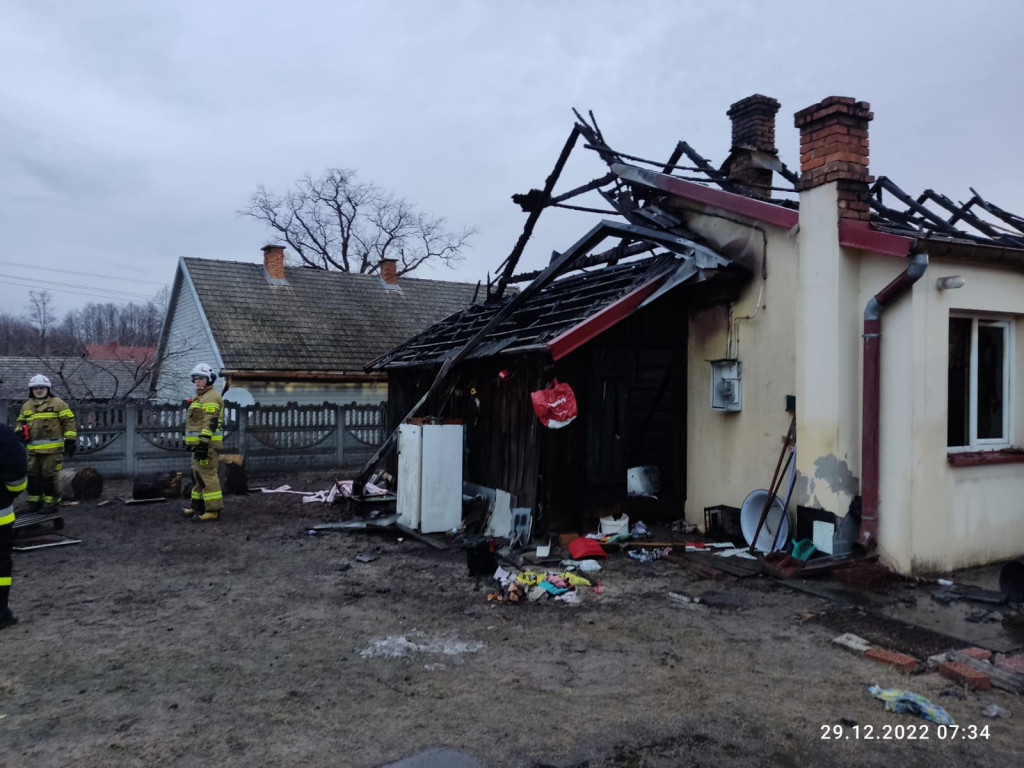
(50, 422)
(205, 418)
(13, 471)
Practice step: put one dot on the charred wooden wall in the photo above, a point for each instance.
(630, 386)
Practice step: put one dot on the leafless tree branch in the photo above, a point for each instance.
(334, 222)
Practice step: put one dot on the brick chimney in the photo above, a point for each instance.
(273, 261)
(834, 147)
(753, 145)
(389, 271)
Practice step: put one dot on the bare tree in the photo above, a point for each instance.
(333, 222)
(41, 316)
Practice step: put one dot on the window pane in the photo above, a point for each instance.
(990, 381)
(959, 413)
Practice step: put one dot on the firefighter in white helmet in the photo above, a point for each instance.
(47, 426)
(203, 438)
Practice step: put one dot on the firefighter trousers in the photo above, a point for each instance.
(6, 543)
(44, 479)
(206, 493)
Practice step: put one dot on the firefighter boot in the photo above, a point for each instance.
(7, 618)
(207, 517)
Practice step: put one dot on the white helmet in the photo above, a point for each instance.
(38, 381)
(204, 370)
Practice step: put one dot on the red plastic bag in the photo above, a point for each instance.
(556, 405)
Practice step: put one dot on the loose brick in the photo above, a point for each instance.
(901, 661)
(981, 654)
(963, 675)
(1013, 664)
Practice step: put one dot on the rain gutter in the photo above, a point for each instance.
(871, 396)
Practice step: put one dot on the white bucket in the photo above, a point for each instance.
(613, 525)
(750, 514)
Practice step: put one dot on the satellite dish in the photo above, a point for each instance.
(239, 396)
(750, 514)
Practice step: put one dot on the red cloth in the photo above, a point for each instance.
(556, 405)
(584, 547)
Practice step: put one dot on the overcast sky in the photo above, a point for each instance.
(131, 132)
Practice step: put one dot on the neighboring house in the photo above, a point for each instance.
(278, 334)
(78, 380)
(889, 327)
(140, 356)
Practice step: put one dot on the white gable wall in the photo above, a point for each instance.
(187, 343)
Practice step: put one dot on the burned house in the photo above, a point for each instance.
(722, 308)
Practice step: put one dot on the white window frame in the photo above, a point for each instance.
(1009, 359)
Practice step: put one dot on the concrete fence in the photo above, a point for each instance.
(130, 439)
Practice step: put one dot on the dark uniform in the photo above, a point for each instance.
(13, 471)
(204, 437)
(51, 433)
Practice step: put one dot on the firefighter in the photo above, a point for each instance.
(203, 438)
(13, 471)
(47, 425)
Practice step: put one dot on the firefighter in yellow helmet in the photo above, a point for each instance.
(47, 425)
(203, 438)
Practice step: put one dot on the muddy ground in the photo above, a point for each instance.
(251, 642)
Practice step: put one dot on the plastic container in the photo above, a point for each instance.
(612, 525)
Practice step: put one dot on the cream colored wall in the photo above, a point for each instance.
(828, 326)
(934, 516)
(807, 340)
(732, 454)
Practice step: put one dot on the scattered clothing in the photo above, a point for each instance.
(907, 702)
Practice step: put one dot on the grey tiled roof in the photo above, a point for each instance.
(74, 379)
(319, 321)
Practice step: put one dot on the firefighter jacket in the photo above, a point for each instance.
(50, 422)
(13, 471)
(205, 417)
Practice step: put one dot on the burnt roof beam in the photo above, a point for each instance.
(926, 214)
(959, 212)
(1012, 219)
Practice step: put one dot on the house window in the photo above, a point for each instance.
(979, 383)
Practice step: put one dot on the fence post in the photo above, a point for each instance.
(130, 425)
(241, 429)
(339, 452)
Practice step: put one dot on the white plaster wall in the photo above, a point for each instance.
(934, 516)
(732, 454)
(828, 327)
(187, 343)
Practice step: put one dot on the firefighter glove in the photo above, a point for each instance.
(202, 452)
(70, 446)
(22, 431)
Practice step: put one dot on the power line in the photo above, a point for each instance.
(81, 274)
(107, 293)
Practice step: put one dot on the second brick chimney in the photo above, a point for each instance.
(753, 145)
(273, 261)
(834, 147)
(389, 271)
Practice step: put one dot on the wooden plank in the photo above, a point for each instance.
(1001, 678)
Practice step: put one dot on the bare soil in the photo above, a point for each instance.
(250, 642)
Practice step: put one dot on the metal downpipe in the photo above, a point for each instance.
(871, 396)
